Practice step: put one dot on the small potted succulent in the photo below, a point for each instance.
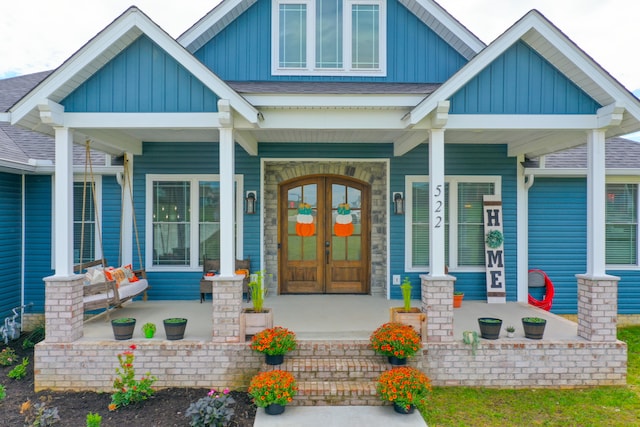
(511, 331)
(403, 386)
(274, 343)
(272, 390)
(397, 341)
(149, 329)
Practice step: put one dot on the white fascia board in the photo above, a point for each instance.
(521, 121)
(209, 20)
(452, 24)
(5, 117)
(578, 172)
(333, 100)
(142, 120)
(531, 21)
(332, 119)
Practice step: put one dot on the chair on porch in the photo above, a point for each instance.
(541, 286)
(211, 267)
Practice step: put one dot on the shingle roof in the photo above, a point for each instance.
(620, 153)
(14, 88)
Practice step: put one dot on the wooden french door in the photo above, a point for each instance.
(324, 242)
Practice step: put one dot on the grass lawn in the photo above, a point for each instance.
(601, 406)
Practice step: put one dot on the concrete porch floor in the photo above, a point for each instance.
(326, 317)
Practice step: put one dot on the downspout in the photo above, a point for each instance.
(522, 274)
(22, 239)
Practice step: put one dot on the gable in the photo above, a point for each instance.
(142, 78)
(415, 53)
(520, 81)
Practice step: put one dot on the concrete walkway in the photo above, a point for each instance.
(338, 416)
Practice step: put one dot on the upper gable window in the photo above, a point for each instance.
(329, 37)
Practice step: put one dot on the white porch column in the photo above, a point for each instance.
(227, 205)
(63, 202)
(596, 190)
(127, 214)
(436, 203)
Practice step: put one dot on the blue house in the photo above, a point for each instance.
(340, 146)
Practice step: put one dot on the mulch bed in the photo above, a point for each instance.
(165, 409)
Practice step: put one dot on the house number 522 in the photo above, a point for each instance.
(437, 206)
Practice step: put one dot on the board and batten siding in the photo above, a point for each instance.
(110, 224)
(143, 78)
(520, 81)
(10, 242)
(415, 54)
(38, 238)
(460, 159)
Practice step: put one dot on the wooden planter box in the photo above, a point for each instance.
(251, 322)
(415, 318)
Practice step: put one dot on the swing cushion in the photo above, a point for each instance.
(132, 289)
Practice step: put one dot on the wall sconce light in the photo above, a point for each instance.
(398, 203)
(250, 202)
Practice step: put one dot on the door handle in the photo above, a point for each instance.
(327, 251)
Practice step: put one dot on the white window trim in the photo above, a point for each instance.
(311, 69)
(627, 180)
(194, 179)
(97, 250)
(453, 181)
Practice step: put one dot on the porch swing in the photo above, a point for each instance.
(107, 287)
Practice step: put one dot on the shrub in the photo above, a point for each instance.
(94, 420)
(3, 392)
(39, 415)
(8, 357)
(20, 371)
(213, 410)
(127, 389)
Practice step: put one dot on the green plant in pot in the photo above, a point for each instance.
(406, 294)
(490, 327)
(149, 329)
(533, 327)
(174, 327)
(123, 328)
(257, 291)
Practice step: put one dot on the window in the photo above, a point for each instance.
(88, 245)
(329, 37)
(464, 236)
(622, 224)
(184, 220)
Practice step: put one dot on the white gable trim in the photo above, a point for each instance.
(532, 25)
(97, 52)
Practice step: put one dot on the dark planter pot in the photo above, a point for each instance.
(275, 359)
(123, 330)
(401, 409)
(490, 327)
(397, 361)
(174, 329)
(533, 330)
(274, 409)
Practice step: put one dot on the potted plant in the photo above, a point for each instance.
(403, 386)
(254, 320)
(471, 338)
(533, 327)
(490, 327)
(458, 296)
(149, 329)
(123, 328)
(408, 315)
(272, 390)
(511, 330)
(274, 343)
(397, 341)
(174, 328)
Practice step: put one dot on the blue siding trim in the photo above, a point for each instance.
(557, 235)
(520, 81)
(111, 216)
(142, 78)
(38, 238)
(10, 242)
(460, 160)
(415, 54)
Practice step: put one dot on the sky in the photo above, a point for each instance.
(38, 35)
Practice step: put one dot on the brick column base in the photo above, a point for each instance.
(63, 308)
(227, 305)
(597, 307)
(437, 302)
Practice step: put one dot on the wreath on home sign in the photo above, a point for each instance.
(494, 239)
